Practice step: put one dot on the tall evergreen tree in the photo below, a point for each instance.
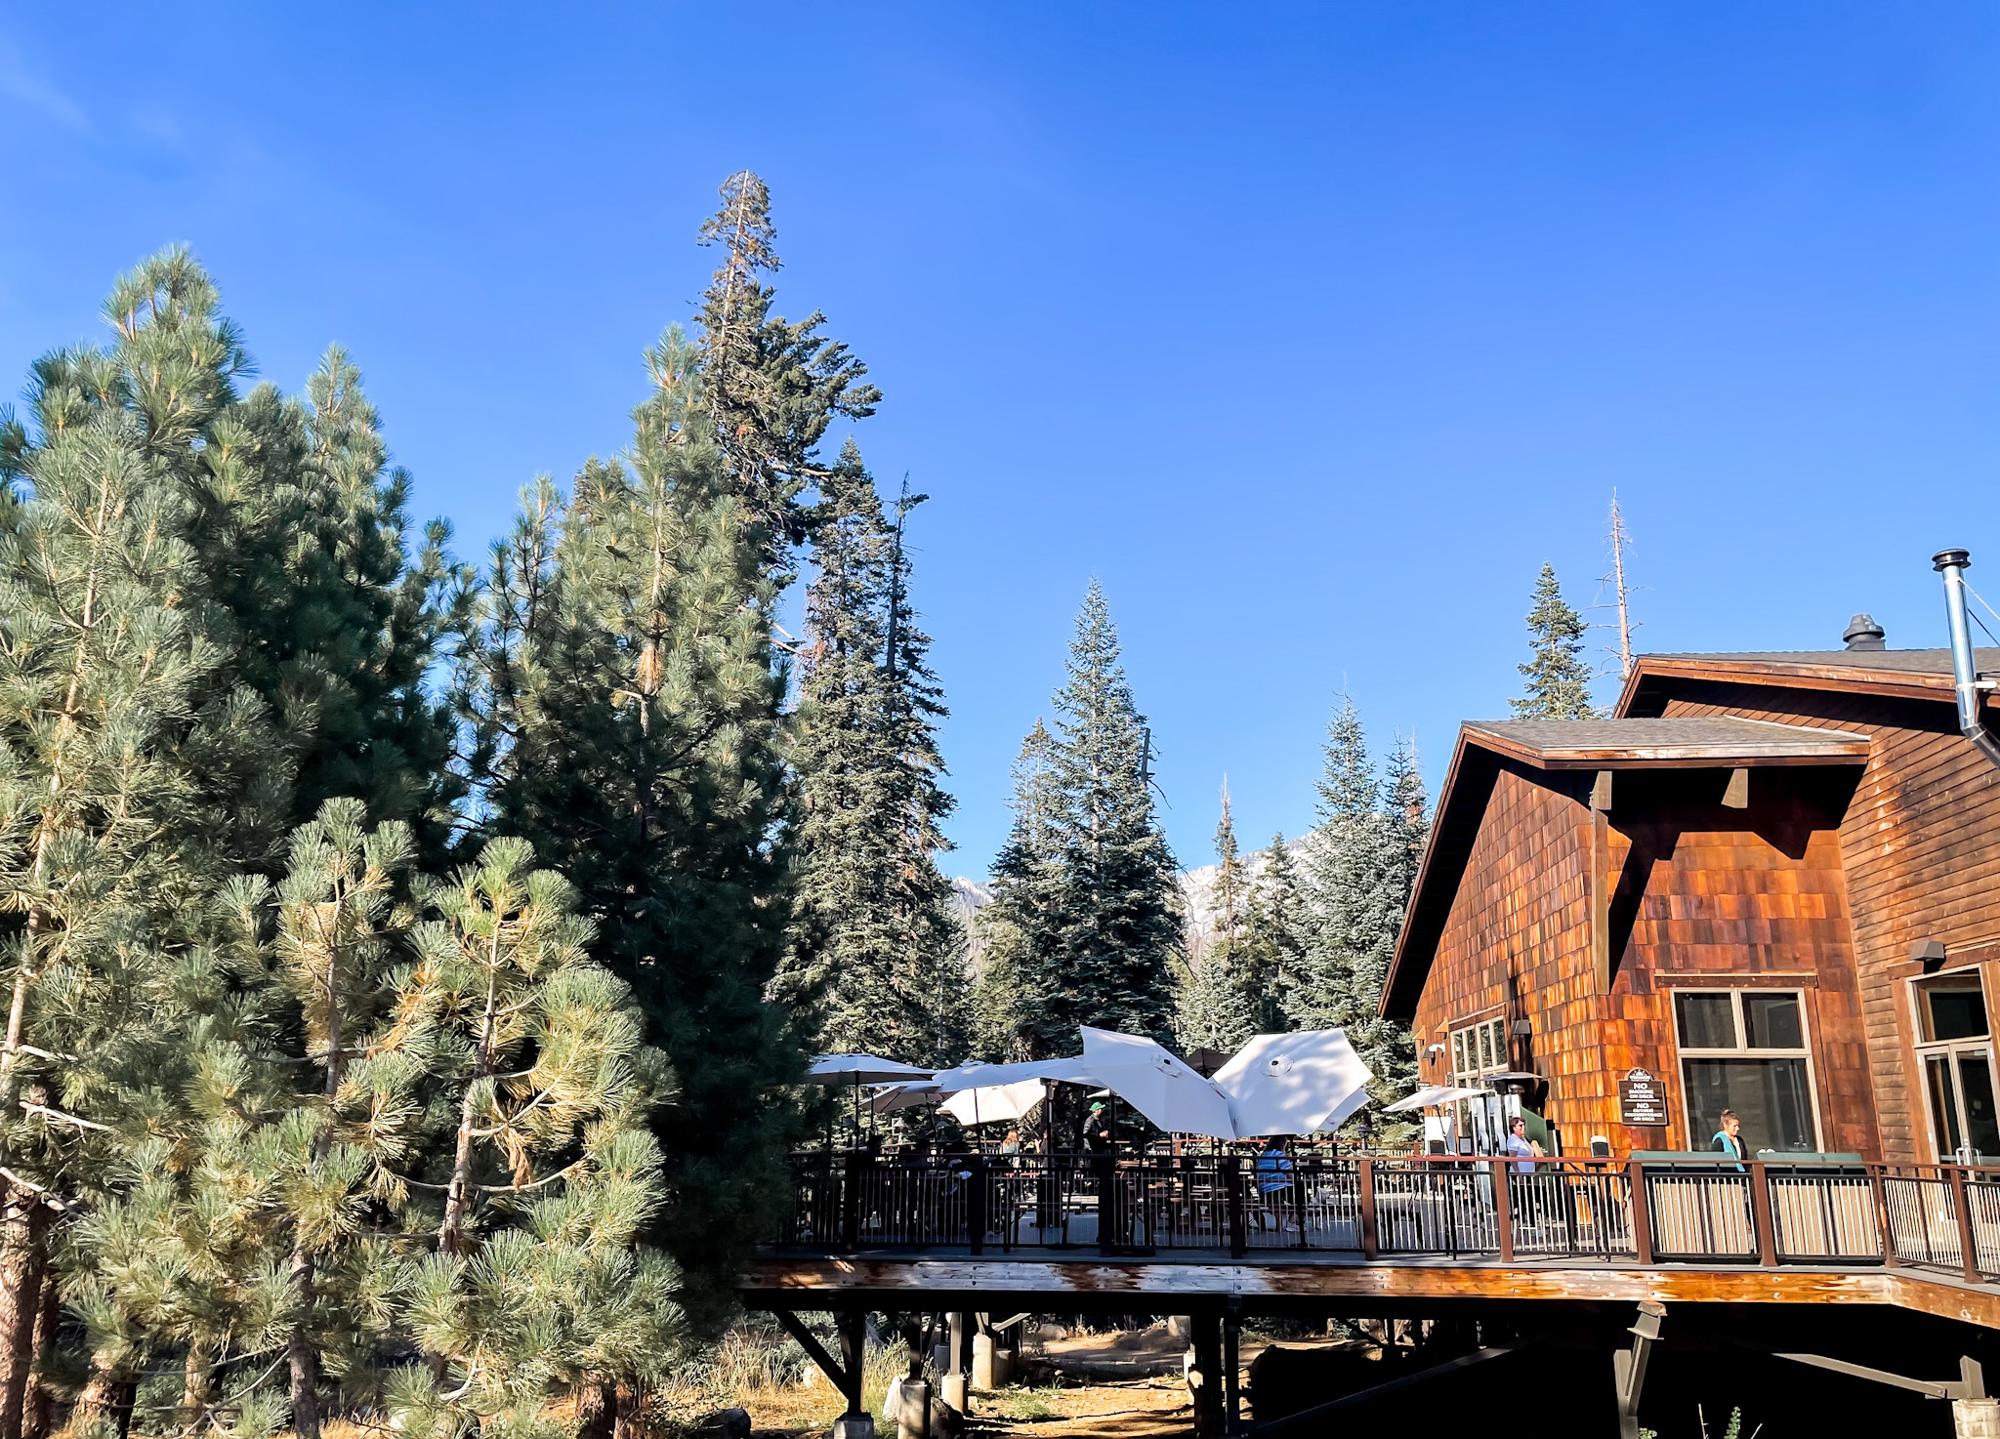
(1217, 1007)
(1115, 924)
(930, 932)
(1558, 679)
(628, 702)
(1386, 1044)
(131, 769)
(1018, 928)
(1275, 940)
(339, 612)
(1343, 875)
(878, 941)
(771, 386)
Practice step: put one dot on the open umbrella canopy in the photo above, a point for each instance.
(893, 1098)
(1294, 1083)
(1432, 1095)
(861, 1069)
(991, 1076)
(995, 1102)
(1168, 1093)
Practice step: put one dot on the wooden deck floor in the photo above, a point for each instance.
(1045, 1278)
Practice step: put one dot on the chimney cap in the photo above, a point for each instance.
(1863, 633)
(1952, 559)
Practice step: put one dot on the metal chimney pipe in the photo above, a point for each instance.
(1953, 564)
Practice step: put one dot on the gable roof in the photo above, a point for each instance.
(1912, 674)
(1665, 743)
(1572, 745)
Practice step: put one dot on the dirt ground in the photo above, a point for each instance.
(1093, 1386)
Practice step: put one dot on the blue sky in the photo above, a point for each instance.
(1312, 332)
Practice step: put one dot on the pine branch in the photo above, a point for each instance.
(32, 1108)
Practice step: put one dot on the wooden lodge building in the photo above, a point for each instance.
(1769, 882)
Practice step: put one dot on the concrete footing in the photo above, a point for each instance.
(854, 1426)
(1975, 1418)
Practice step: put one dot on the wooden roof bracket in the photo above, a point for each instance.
(1601, 881)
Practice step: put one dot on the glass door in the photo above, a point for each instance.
(1957, 1056)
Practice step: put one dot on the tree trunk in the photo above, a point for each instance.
(458, 1194)
(23, 1228)
(194, 1387)
(38, 1413)
(106, 1400)
(598, 1409)
(301, 1355)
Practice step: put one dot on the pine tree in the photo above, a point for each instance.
(131, 771)
(772, 387)
(1019, 927)
(628, 703)
(339, 926)
(337, 615)
(1558, 680)
(539, 1057)
(1117, 926)
(1361, 867)
(924, 909)
(878, 940)
(1343, 862)
(1217, 1008)
(1386, 1044)
(1275, 940)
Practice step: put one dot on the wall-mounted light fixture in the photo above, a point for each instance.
(1928, 952)
(1522, 1029)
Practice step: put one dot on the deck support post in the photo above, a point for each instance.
(1231, 1173)
(1232, 1364)
(1205, 1377)
(1974, 1414)
(1628, 1366)
(957, 1388)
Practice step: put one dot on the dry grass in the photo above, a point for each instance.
(759, 1368)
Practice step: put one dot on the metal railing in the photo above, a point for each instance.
(1563, 1211)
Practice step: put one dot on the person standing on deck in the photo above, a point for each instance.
(1729, 1138)
(1274, 1177)
(1097, 1136)
(1520, 1148)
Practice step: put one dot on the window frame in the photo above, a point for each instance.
(1736, 993)
(1922, 1051)
(1494, 1032)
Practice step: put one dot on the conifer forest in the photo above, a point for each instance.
(413, 956)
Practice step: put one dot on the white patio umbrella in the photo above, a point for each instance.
(893, 1098)
(857, 1070)
(1432, 1095)
(1294, 1083)
(994, 1102)
(1157, 1084)
(990, 1076)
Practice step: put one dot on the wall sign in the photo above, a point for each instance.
(1641, 1100)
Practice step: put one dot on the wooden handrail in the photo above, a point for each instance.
(1473, 1208)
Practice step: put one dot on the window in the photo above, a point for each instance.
(1955, 1053)
(1745, 1049)
(1478, 1052)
